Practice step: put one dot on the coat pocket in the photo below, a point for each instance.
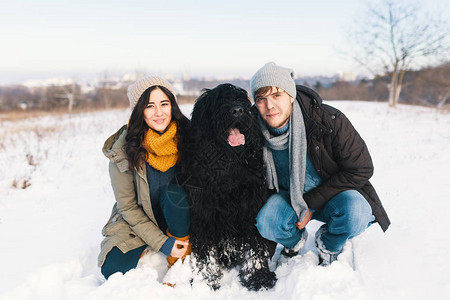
(115, 223)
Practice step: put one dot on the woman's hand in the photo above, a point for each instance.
(179, 248)
(306, 219)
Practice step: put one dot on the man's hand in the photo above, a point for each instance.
(306, 219)
(179, 248)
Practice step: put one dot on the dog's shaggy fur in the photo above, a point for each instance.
(226, 189)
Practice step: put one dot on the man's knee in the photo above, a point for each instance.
(276, 218)
(265, 219)
(354, 208)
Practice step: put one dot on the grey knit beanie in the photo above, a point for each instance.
(136, 89)
(272, 75)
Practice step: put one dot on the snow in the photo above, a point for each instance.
(50, 231)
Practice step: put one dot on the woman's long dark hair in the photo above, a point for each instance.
(137, 127)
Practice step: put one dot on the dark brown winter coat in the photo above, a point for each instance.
(338, 153)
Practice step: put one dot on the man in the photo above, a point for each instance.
(316, 163)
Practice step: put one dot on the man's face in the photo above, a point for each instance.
(275, 107)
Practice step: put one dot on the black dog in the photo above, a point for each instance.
(223, 176)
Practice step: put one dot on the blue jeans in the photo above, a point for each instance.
(346, 215)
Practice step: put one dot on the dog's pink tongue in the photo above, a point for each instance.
(236, 138)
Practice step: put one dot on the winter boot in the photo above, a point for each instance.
(325, 257)
(291, 252)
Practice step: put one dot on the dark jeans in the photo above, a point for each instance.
(175, 207)
(117, 261)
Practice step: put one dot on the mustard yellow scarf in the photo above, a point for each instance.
(162, 151)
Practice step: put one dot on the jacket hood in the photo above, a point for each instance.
(301, 89)
(113, 149)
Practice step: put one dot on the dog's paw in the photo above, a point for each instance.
(214, 286)
(259, 279)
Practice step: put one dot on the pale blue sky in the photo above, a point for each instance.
(84, 38)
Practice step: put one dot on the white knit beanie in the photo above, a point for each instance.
(272, 75)
(136, 89)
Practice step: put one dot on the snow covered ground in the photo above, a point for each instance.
(50, 231)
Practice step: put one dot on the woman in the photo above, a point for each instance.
(143, 160)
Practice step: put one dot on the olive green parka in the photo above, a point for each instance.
(132, 223)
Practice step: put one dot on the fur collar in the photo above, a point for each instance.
(114, 149)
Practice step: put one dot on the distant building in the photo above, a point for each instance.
(347, 76)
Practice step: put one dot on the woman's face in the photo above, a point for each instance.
(158, 112)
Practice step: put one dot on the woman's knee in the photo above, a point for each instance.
(175, 208)
(108, 269)
(117, 261)
(174, 198)
(112, 265)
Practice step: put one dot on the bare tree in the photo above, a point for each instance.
(438, 79)
(104, 86)
(69, 94)
(395, 36)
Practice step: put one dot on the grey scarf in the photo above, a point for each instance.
(295, 139)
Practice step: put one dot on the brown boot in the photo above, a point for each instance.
(172, 260)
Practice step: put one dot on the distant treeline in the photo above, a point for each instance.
(428, 86)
